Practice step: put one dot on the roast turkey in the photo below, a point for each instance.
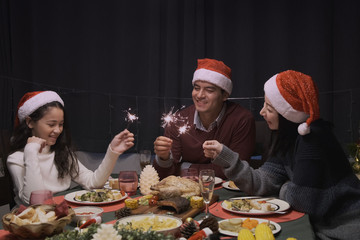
(173, 186)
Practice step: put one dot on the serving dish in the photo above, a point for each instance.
(235, 234)
(70, 197)
(159, 219)
(278, 206)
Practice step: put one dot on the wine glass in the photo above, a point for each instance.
(145, 158)
(41, 197)
(207, 183)
(190, 173)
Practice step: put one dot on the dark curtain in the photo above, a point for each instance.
(106, 57)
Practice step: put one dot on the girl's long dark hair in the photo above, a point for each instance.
(65, 159)
(282, 140)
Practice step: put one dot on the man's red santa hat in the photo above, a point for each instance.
(215, 72)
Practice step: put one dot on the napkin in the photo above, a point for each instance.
(61, 210)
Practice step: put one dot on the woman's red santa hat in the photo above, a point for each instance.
(31, 101)
(294, 95)
(215, 72)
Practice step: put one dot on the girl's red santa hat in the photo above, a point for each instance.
(294, 95)
(31, 101)
(215, 72)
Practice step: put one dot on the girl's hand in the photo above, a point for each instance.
(122, 142)
(40, 141)
(212, 148)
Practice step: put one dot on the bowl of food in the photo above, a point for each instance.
(37, 221)
(157, 222)
(85, 213)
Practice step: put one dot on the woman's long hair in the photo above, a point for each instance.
(65, 159)
(282, 140)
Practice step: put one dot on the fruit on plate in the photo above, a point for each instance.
(148, 177)
(263, 232)
(245, 234)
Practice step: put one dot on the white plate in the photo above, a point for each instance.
(218, 180)
(226, 185)
(277, 204)
(162, 218)
(235, 234)
(70, 197)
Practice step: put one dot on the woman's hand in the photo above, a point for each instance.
(40, 141)
(162, 147)
(122, 142)
(212, 148)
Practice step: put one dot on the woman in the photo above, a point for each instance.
(305, 165)
(41, 155)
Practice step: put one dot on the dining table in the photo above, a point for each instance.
(293, 224)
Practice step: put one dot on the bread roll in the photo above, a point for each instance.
(50, 216)
(41, 214)
(27, 213)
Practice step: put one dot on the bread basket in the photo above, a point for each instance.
(37, 230)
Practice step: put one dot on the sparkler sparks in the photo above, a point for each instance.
(170, 117)
(130, 118)
(180, 122)
(184, 129)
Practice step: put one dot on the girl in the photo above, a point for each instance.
(41, 156)
(305, 165)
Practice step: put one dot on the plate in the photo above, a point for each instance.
(235, 234)
(162, 218)
(218, 180)
(226, 185)
(277, 204)
(70, 197)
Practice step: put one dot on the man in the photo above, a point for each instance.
(212, 117)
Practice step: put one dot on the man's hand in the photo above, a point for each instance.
(162, 147)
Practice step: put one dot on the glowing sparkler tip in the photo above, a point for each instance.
(130, 117)
(183, 129)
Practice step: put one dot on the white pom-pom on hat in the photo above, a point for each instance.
(303, 129)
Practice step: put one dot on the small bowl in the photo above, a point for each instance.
(87, 212)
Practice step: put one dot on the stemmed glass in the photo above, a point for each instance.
(207, 183)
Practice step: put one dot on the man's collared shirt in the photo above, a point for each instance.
(198, 124)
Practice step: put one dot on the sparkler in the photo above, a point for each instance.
(130, 118)
(181, 122)
(170, 117)
(184, 129)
